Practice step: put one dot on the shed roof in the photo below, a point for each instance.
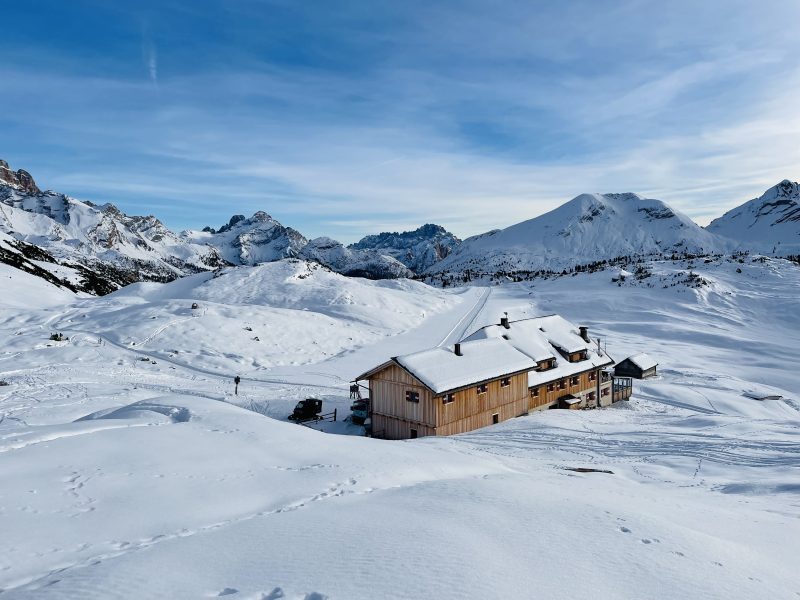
(643, 361)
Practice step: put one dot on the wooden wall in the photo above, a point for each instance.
(547, 397)
(483, 419)
(387, 392)
(393, 416)
(397, 429)
(468, 402)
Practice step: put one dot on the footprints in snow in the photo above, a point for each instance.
(276, 594)
(649, 541)
(643, 540)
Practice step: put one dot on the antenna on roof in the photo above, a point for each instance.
(598, 346)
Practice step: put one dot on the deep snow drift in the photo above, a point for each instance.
(131, 470)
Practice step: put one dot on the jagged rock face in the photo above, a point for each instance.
(20, 179)
(418, 250)
(103, 240)
(769, 223)
(251, 241)
(353, 262)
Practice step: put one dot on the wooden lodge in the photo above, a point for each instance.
(498, 372)
(638, 366)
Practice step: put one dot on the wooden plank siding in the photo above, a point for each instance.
(549, 397)
(393, 416)
(387, 391)
(468, 402)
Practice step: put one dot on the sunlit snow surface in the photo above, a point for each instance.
(127, 470)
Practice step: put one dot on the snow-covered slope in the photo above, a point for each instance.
(588, 228)
(133, 473)
(418, 250)
(770, 223)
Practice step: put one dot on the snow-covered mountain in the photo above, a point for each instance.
(419, 250)
(372, 264)
(769, 223)
(262, 239)
(101, 238)
(121, 249)
(250, 241)
(588, 228)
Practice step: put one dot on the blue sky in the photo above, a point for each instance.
(348, 118)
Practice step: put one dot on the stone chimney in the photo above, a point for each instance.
(457, 350)
(585, 334)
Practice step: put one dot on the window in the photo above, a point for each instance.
(448, 398)
(562, 384)
(495, 419)
(547, 364)
(535, 392)
(604, 392)
(551, 387)
(481, 388)
(574, 380)
(413, 434)
(593, 376)
(591, 396)
(505, 382)
(412, 396)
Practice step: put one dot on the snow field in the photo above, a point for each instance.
(131, 478)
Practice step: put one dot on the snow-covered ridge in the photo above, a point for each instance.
(769, 223)
(589, 227)
(127, 248)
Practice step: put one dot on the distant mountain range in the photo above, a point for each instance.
(100, 248)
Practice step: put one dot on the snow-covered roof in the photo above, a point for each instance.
(539, 337)
(442, 370)
(525, 336)
(643, 361)
(564, 368)
(495, 350)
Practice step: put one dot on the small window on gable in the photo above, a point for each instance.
(481, 389)
(412, 396)
(448, 398)
(505, 382)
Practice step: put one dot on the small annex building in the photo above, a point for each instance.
(638, 366)
(499, 372)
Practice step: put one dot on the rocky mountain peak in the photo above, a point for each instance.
(20, 179)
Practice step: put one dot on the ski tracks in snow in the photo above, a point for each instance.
(460, 329)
